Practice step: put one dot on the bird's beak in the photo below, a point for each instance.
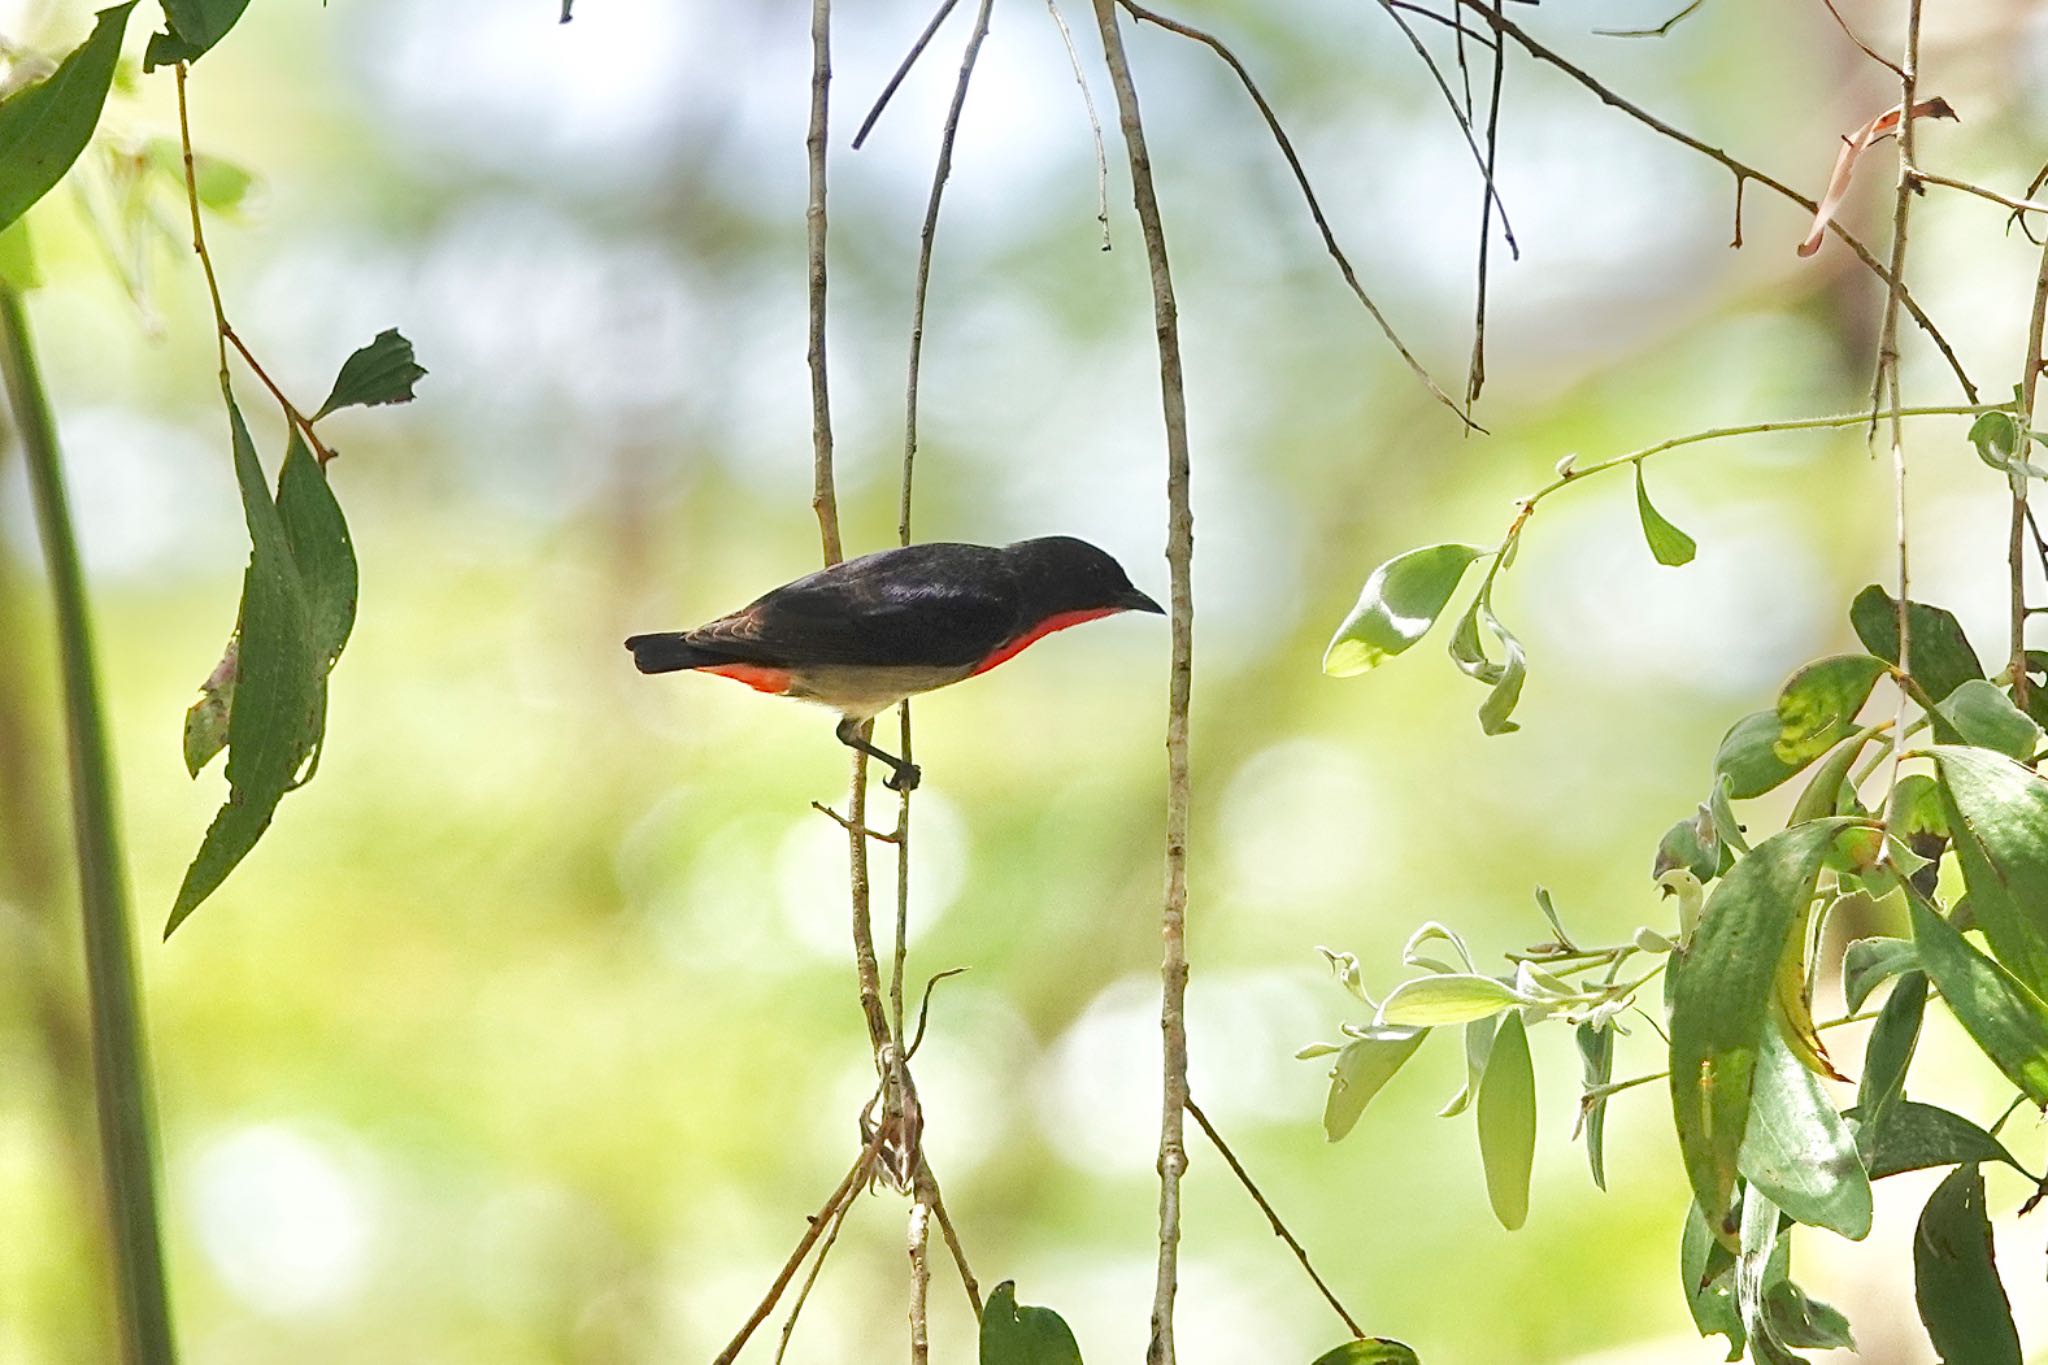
(1137, 601)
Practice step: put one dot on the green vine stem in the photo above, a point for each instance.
(120, 1054)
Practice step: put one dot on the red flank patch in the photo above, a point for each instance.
(757, 676)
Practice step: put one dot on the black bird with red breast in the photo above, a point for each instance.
(867, 633)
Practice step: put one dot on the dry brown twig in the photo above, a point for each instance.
(1867, 50)
(1475, 375)
(1180, 546)
(1308, 193)
(1659, 31)
(1094, 121)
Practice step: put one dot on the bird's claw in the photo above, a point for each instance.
(904, 778)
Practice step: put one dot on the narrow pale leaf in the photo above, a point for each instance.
(1507, 1123)
(1363, 1066)
(1447, 998)
(1596, 1064)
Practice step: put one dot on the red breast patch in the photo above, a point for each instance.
(1038, 632)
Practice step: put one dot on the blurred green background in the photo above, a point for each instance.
(529, 1032)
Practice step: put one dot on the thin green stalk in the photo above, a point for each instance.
(120, 1054)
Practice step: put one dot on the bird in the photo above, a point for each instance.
(866, 633)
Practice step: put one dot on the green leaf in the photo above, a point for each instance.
(222, 184)
(1758, 1265)
(1706, 1274)
(382, 372)
(1890, 1049)
(1507, 1123)
(1985, 717)
(1915, 808)
(1830, 781)
(1500, 703)
(1819, 700)
(1797, 1320)
(2008, 1022)
(320, 545)
(1693, 844)
(1596, 1065)
(18, 258)
(1997, 814)
(1363, 1066)
(279, 687)
(1447, 998)
(1955, 1279)
(1748, 757)
(1015, 1335)
(1373, 1351)
(1997, 438)
(1400, 602)
(206, 722)
(43, 127)
(1943, 658)
(1870, 962)
(1669, 544)
(1478, 1047)
(191, 28)
(1721, 999)
(1914, 1137)
(1797, 1149)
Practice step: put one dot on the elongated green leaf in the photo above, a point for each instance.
(1955, 1279)
(1447, 998)
(320, 545)
(1400, 602)
(1500, 703)
(1012, 1334)
(1748, 759)
(1596, 1065)
(1507, 1123)
(1478, 1047)
(1943, 658)
(1997, 813)
(44, 127)
(1372, 1351)
(1706, 1271)
(1890, 1049)
(1818, 700)
(191, 28)
(1758, 1265)
(1826, 789)
(1914, 1137)
(382, 372)
(2008, 1021)
(279, 687)
(1870, 962)
(1984, 716)
(1669, 544)
(1363, 1066)
(1798, 1151)
(1721, 1000)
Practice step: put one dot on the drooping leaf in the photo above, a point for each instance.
(279, 687)
(1669, 544)
(191, 28)
(1372, 1351)
(1943, 658)
(1852, 147)
(1507, 1123)
(1829, 789)
(1818, 700)
(1363, 1066)
(1997, 814)
(1997, 438)
(1955, 1279)
(1478, 1047)
(1984, 716)
(1721, 1000)
(1401, 600)
(1507, 692)
(1706, 1272)
(320, 545)
(1797, 1149)
(1911, 1136)
(206, 722)
(382, 372)
(2008, 1022)
(1012, 1334)
(1797, 1320)
(1870, 962)
(43, 127)
(1759, 1263)
(1792, 1004)
(1748, 759)
(1447, 998)
(1596, 1065)
(1890, 1049)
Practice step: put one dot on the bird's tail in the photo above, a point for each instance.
(669, 652)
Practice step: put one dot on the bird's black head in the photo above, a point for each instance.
(1060, 574)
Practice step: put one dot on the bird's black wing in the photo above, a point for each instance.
(944, 605)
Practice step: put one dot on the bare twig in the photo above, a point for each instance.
(824, 498)
(919, 1239)
(1868, 51)
(881, 836)
(924, 1010)
(1465, 34)
(1475, 378)
(817, 1225)
(1463, 117)
(803, 1292)
(1279, 1228)
(2030, 378)
(1308, 193)
(903, 69)
(1180, 547)
(1094, 122)
(1739, 169)
(2018, 206)
(1657, 32)
(967, 1280)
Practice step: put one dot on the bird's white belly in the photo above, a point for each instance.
(861, 692)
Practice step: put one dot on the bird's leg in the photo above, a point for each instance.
(902, 776)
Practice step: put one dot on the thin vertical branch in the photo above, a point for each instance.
(120, 1050)
(1180, 548)
(824, 498)
(919, 1240)
(1888, 348)
(1094, 122)
(1476, 377)
(2030, 378)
